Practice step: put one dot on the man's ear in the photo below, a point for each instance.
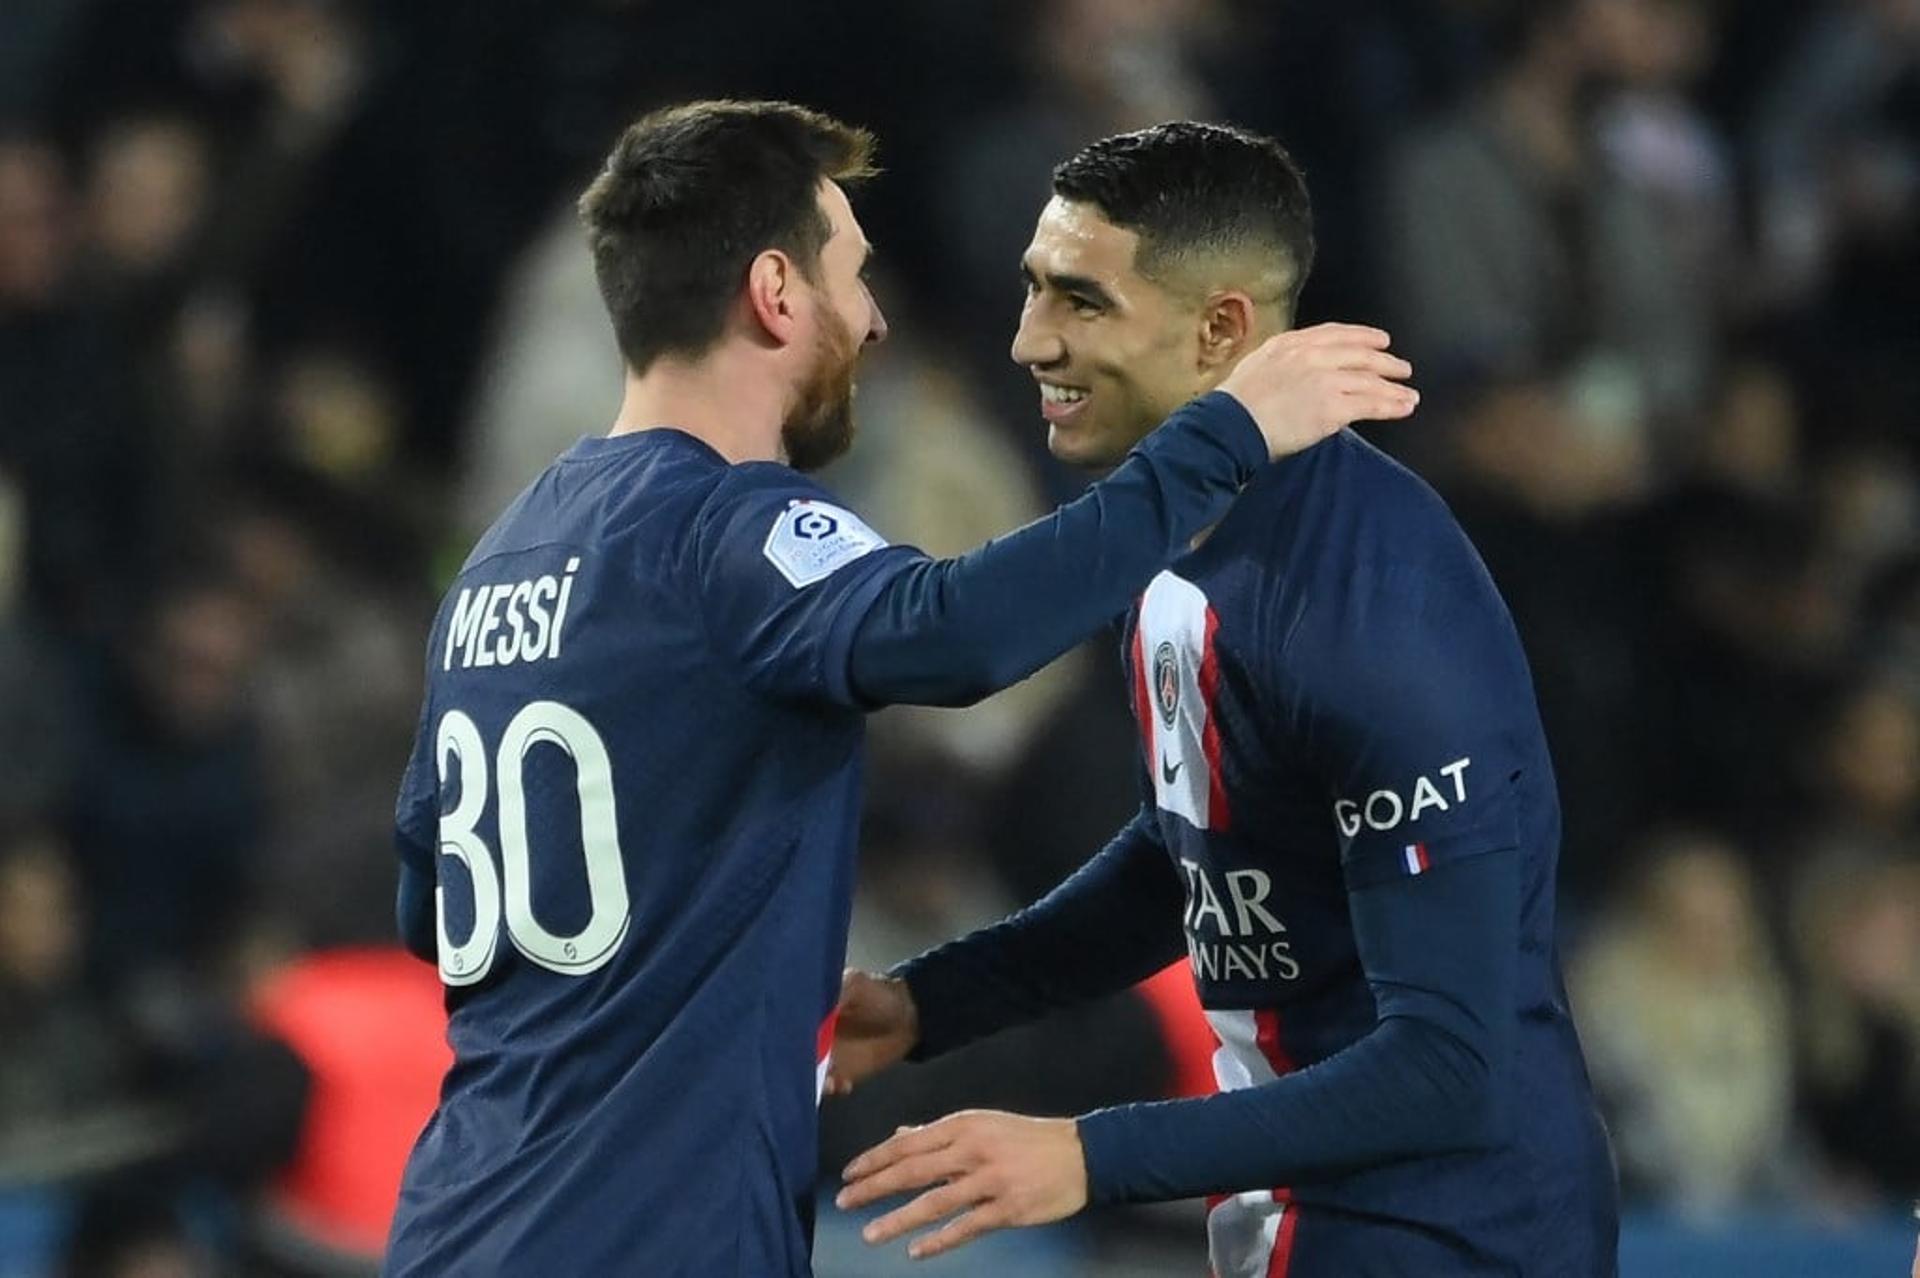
(1227, 322)
(772, 295)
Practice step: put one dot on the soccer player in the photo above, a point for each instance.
(627, 830)
(1350, 826)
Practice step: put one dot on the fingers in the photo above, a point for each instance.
(1363, 397)
(956, 1232)
(933, 1205)
(904, 1143)
(1336, 334)
(1360, 359)
(914, 1172)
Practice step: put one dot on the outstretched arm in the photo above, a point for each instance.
(816, 607)
(1112, 923)
(1435, 904)
(1439, 951)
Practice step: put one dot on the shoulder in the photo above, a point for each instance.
(1343, 515)
(1371, 555)
(796, 524)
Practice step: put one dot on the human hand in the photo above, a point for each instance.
(1303, 385)
(989, 1171)
(878, 1025)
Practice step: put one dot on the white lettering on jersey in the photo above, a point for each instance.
(506, 622)
(812, 540)
(1384, 809)
(1172, 649)
(1248, 944)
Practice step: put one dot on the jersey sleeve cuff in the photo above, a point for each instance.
(934, 1001)
(1107, 1143)
(1218, 419)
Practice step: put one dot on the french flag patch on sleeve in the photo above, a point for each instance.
(1416, 855)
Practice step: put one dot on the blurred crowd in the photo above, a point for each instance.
(292, 300)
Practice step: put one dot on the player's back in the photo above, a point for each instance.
(644, 880)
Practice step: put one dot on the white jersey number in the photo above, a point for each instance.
(538, 723)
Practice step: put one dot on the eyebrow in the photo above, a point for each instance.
(1089, 288)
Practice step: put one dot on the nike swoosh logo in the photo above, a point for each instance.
(1170, 771)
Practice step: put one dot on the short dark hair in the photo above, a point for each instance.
(1186, 186)
(690, 195)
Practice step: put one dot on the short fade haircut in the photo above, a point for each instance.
(1187, 188)
(690, 195)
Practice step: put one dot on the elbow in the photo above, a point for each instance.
(1483, 1117)
(1471, 1105)
(975, 675)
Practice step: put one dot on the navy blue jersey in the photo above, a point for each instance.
(1330, 695)
(1351, 831)
(660, 859)
(633, 804)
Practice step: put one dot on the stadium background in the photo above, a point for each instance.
(291, 300)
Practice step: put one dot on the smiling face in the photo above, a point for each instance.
(1113, 352)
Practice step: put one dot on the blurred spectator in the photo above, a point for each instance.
(1545, 490)
(338, 699)
(551, 377)
(1342, 85)
(1866, 496)
(1857, 932)
(1751, 439)
(70, 433)
(36, 700)
(1683, 1011)
(1890, 624)
(337, 418)
(1834, 155)
(1866, 768)
(146, 193)
(1751, 629)
(1663, 146)
(62, 1056)
(1515, 248)
(130, 1233)
(169, 798)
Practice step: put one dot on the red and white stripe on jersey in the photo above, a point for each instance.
(1416, 858)
(823, 1054)
(1250, 1235)
(1183, 756)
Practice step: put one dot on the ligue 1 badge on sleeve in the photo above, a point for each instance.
(811, 540)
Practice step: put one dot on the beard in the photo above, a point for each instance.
(820, 426)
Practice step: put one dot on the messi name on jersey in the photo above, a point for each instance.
(509, 621)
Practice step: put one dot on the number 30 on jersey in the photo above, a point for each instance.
(509, 890)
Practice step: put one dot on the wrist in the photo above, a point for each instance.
(1230, 423)
(910, 1006)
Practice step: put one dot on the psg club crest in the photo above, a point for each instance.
(1166, 682)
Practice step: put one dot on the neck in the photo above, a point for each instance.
(726, 399)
